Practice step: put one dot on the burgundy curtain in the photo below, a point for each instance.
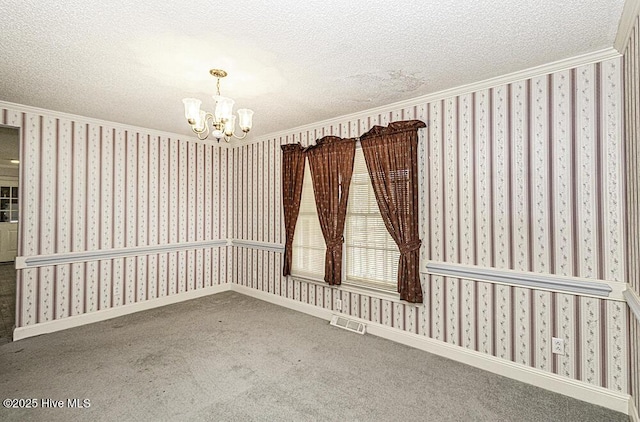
(391, 154)
(292, 176)
(331, 165)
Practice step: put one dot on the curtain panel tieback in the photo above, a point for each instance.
(335, 243)
(410, 247)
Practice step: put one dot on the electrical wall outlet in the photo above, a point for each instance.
(339, 304)
(557, 345)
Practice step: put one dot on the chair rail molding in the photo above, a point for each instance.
(23, 262)
(254, 244)
(611, 290)
(634, 302)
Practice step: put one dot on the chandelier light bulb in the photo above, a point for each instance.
(191, 109)
(229, 126)
(199, 123)
(245, 119)
(224, 107)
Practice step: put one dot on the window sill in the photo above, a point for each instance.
(351, 287)
(373, 287)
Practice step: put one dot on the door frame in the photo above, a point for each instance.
(19, 132)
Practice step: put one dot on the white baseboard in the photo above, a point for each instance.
(283, 301)
(552, 382)
(89, 318)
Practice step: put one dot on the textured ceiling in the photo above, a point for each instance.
(293, 62)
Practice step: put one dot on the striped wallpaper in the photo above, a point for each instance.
(524, 176)
(527, 176)
(89, 185)
(631, 60)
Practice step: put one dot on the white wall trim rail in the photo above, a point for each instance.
(611, 290)
(634, 302)
(105, 314)
(35, 261)
(628, 18)
(98, 122)
(580, 286)
(253, 244)
(556, 383)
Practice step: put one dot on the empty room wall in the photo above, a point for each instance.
(521, 177)
(113, 215)
(632, 135)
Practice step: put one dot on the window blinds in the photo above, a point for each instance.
(371, 253)
(371, 256)
(308, 243)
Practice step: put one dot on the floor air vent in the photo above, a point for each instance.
(347, 324)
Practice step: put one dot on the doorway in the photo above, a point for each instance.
(9, 211)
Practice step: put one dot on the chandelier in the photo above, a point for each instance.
(221, 124)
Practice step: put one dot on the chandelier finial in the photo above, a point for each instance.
(218, 73)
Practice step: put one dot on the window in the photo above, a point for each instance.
(370, 254)
(308, 243)
(9, 204)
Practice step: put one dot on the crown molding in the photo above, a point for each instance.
(557, 66)
(90, 120)
(627, 20)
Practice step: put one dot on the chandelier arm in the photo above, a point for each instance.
(204, 133)
(202, 137)
(204, 130)
(240, 137)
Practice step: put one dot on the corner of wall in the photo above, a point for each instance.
(627, 19)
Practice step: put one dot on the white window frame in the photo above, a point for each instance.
(386, 287)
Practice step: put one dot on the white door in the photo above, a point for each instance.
(8, 241)
(8, 220)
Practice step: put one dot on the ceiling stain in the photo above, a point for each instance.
(373, 86)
